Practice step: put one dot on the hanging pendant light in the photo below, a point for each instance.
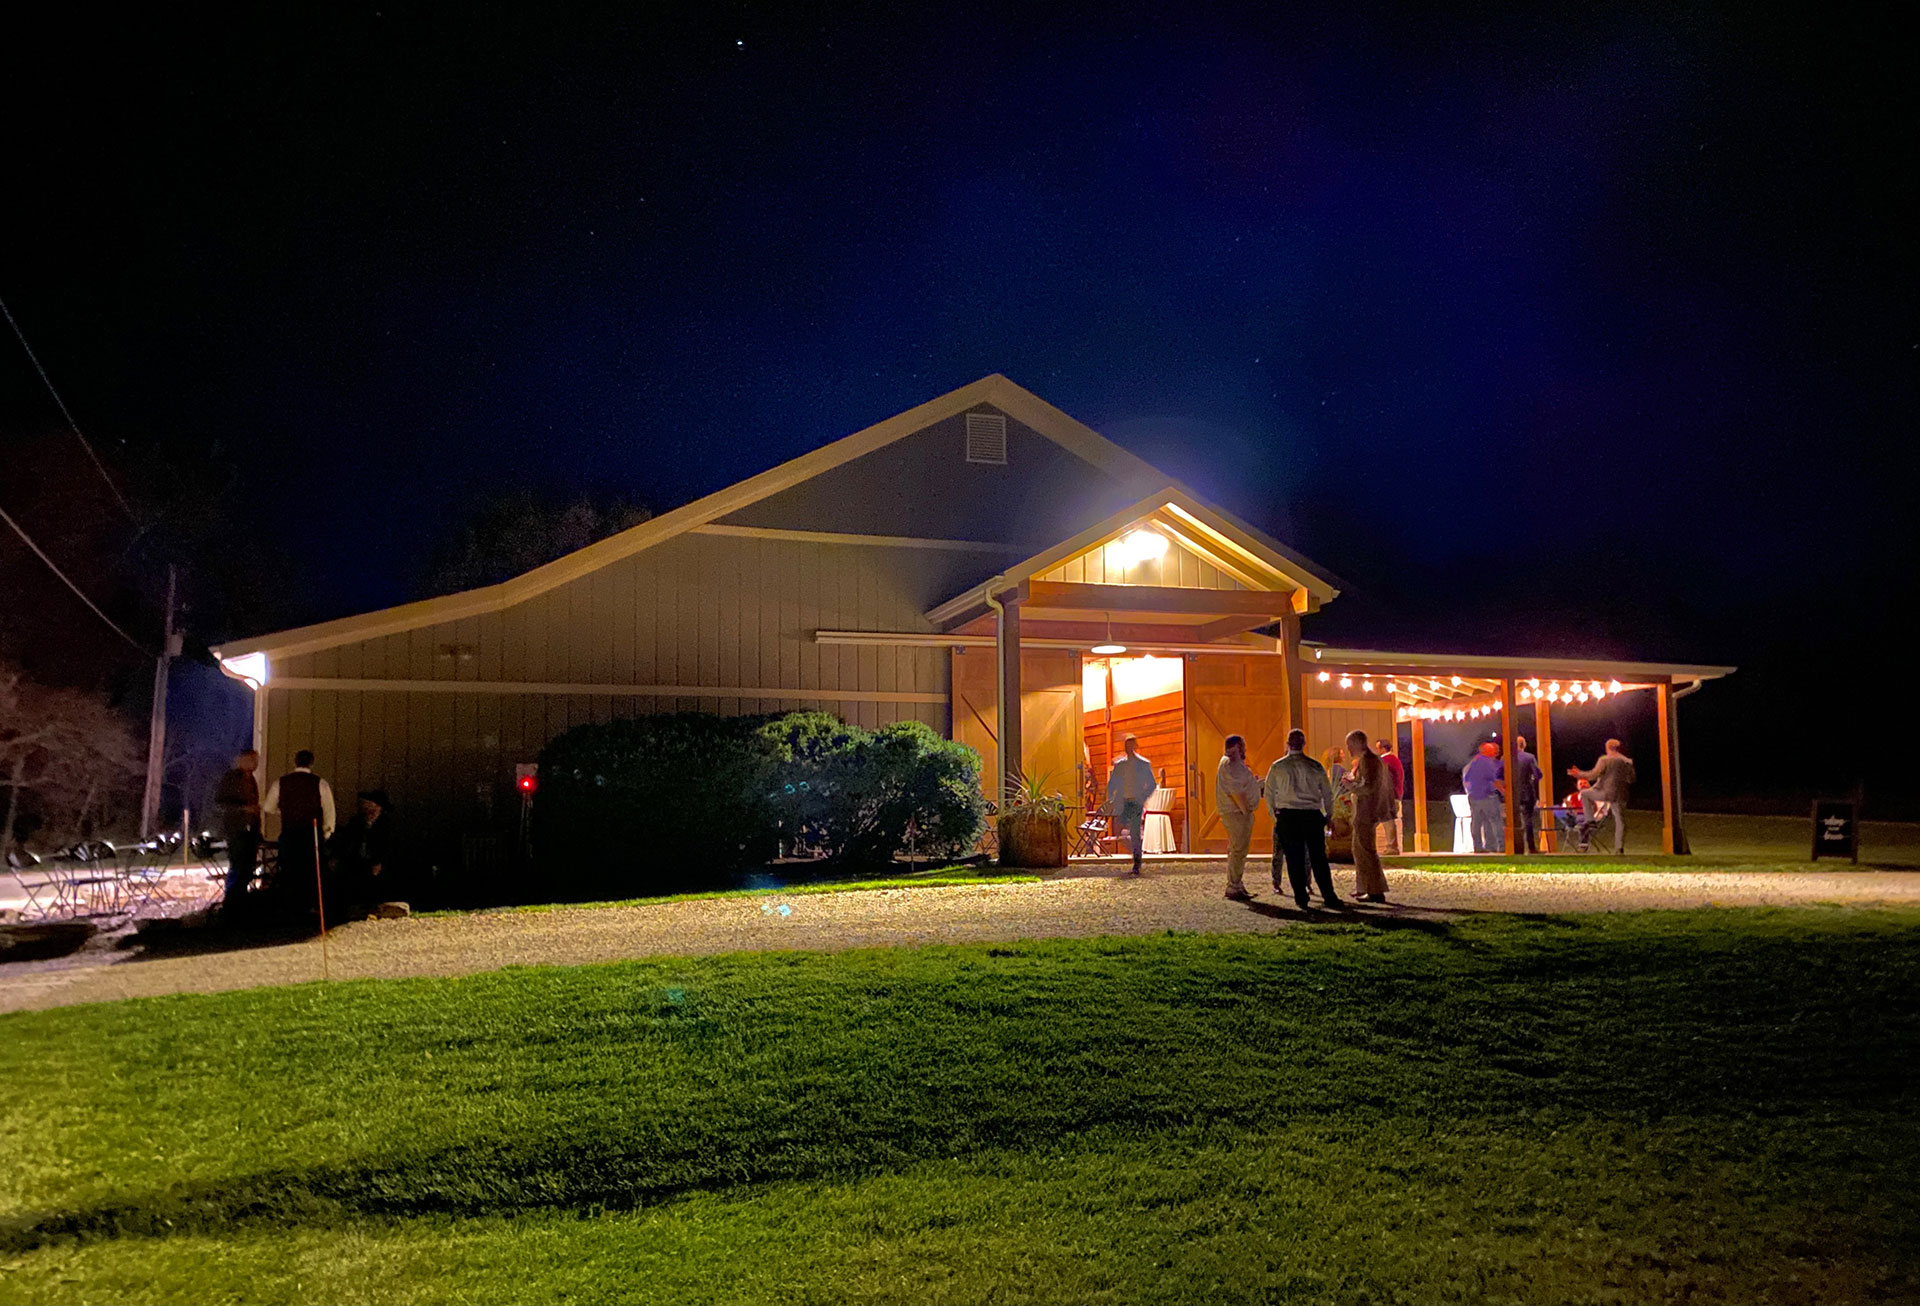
(1110, 648)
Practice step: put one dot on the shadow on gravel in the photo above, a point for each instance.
(205, 935)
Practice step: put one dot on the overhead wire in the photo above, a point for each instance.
(78, 592)
(72, 425)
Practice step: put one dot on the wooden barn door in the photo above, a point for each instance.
(1049, 716)
(976, 713)
(1050, 721)
(1231, 695)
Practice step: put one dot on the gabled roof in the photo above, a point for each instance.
(1022, 405)
(1258, 561)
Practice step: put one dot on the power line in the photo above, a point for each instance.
(78, 592)
(72, 425)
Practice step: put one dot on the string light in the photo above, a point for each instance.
(1553, 689)
(1534, 682)
(1593, 687)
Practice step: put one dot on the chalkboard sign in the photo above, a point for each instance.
(1836, 830)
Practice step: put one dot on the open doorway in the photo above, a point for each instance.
(1144, 696)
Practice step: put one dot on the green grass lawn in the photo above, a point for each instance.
(943, 879)
(1699, 1107)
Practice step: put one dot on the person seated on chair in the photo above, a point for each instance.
(363, 852)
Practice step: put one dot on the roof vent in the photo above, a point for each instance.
(987, 439)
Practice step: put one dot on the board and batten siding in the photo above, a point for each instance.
(701, 611)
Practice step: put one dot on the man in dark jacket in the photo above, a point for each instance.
(238, 802)
(305, 804)
(1524, 776)
(363, 850)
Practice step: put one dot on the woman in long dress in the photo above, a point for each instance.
(1371, 785)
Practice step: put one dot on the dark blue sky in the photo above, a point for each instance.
(1540, 329)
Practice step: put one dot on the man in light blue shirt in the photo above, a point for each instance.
(1128, 788)
(1484, 782)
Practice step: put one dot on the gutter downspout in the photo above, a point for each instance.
(999, 686)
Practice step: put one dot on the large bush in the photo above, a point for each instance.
(898, 786)
(652, 804)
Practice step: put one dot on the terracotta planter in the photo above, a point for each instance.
(1033, 841)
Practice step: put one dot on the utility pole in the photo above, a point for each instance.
(157, 723)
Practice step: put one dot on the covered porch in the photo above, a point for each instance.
(1513, 696)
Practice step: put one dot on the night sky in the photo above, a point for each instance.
(1580, 330)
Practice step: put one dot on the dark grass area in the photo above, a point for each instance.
(1697, 1106)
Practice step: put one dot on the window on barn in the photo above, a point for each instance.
(987, 439)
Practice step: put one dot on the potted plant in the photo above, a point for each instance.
(1033, 829)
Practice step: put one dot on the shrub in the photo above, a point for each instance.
(658, 803)
(902, 780)
(652, 803)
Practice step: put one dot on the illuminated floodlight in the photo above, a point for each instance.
(251, 668)
(1325, 676)
(1366, 686)
(1346, 682)
(1138, 546)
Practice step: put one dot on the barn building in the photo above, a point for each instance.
(979, 550)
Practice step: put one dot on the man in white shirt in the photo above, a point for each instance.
(304, 803)
(1128, 788)
(1236, 797)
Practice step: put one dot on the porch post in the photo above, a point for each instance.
(1008, 650)
(1543, 749)
(1420, 786)
(1507, 747)
(1671, 840)
(1296, 673)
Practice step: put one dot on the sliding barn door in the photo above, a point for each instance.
(1050, 723)
(1231, 694)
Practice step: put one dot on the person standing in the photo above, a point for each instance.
(1391, 828)
(237, 799)
(1483, 781)
(305, 804)
(1611, 779)
(1302, 803)
(1524, 782)
(1237, 791)
(1372, 788)
(1128, 788)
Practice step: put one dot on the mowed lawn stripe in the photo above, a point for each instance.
(1712, 1105)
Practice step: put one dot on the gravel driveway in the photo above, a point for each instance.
(1063, 908)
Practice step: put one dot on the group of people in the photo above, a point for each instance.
(1601, 792)
(354, 864)
(1299, 794)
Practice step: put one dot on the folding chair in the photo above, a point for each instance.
(80, 879)
(145, 880)
(18, 860)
